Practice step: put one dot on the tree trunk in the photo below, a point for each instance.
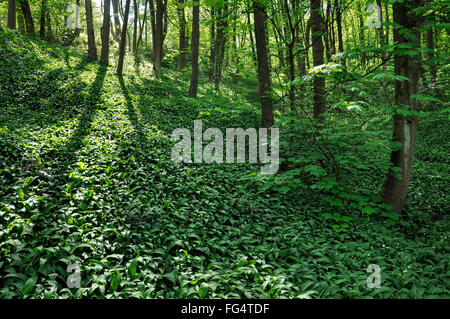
(307, 42)
(42, 26)
(12, 14)
(319, 81)
(29, 23)
(220, 44)
(123, 38)
(212, 55)
(115, 6)
(152, 23)
(104, 55)
(395, 189)
(339, 25)
(92, 48)
(263, 64)
(158, 36)
(194, 47)
(144, 22)
(135, 25)
(182, 35)
(327, 33)
(49, 25)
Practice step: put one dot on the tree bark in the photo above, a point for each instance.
(263, 64)
(319, 81)
(153, 26)
(395, 190)
(194, 47)
(104, 55)
(158, 36)
(182, 35)
(339, 25)
(12, 14)
(115, 6)
(144, 22)
(42, 22)
(212, 55)
(92, 48)
(135, 25)
(220, 44)
(123, 38)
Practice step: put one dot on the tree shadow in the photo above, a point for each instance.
(142, 139)
(87, 116)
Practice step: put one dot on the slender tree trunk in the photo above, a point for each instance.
(339, 25)
(115, 6)
(307, 42)
(158, 36)
(194, 47)
(325, 27)
(144, 22)
(12, 14)
(319, 81)
(252, 42)
(135, 25)
(153, 25)
(395, 188)
(92, 48)
(221, 42)
(263, 64)
(386, 14)
(164, 24)
(182, 35)
(123, 38)
(42, 26)
(212, 55)
(49, 25)
(26, 10)
(104, 56)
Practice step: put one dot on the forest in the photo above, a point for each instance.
(224, 149)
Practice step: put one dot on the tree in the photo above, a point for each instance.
(104, 55)
(135, 25)
(182, 35)
(42, 20)
(194, 47)
(220, 43)
(395, 188)
(92, 48)
(12, 14)
(141, 26)
(317, 46)
(263, 64)
(158, 36)
(29, 23)
(123, 38)
(115, 5)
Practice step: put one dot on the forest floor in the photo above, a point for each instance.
(86, 179)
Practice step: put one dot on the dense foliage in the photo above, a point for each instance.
(86, 178)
